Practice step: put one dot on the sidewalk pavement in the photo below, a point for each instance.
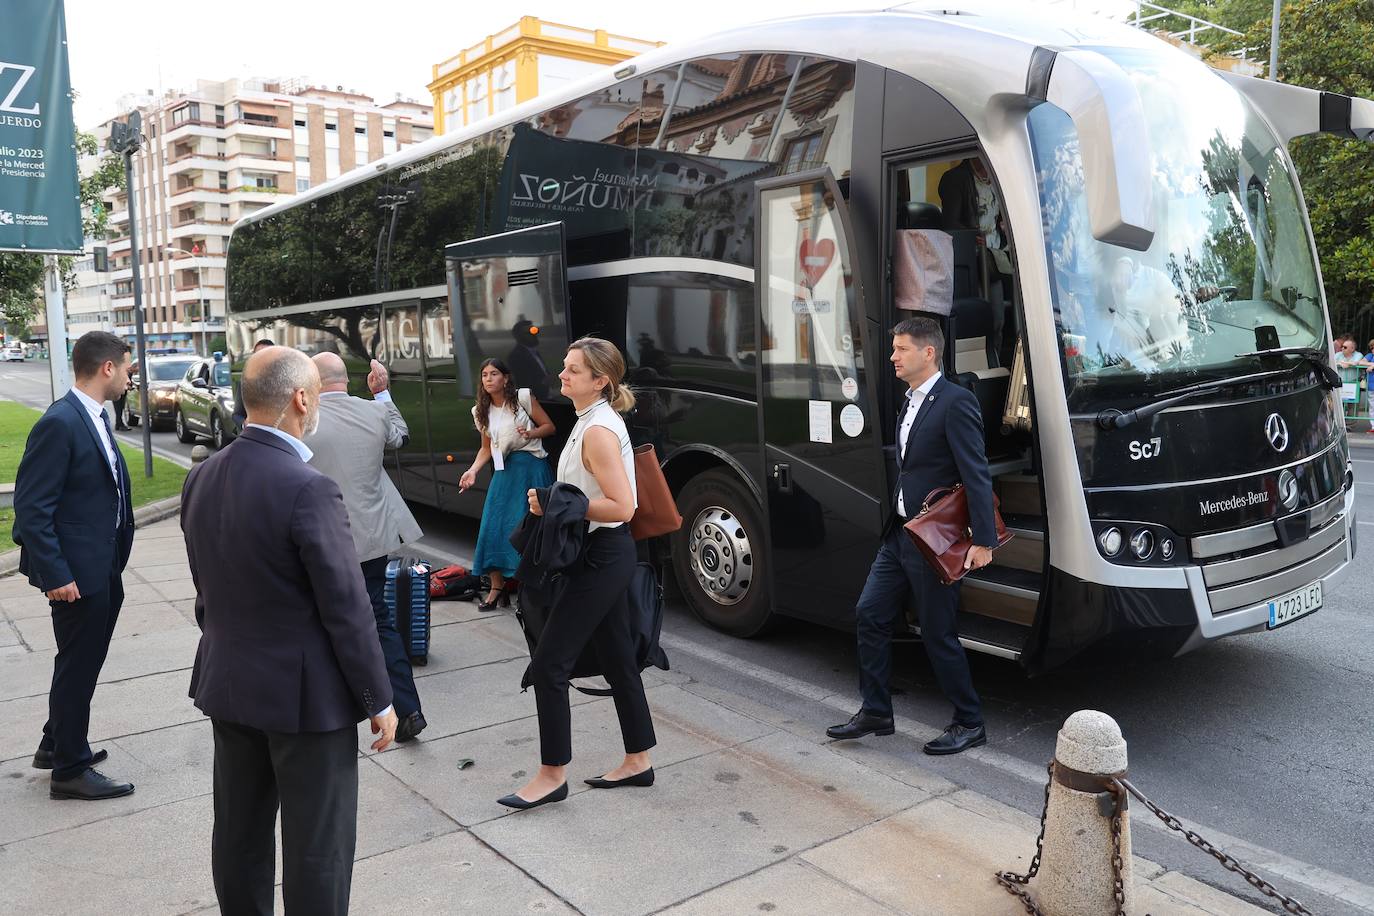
(753, 811)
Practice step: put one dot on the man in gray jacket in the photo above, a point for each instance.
(349, 446)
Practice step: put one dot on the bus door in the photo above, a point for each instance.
(401, 352)
(822, 459)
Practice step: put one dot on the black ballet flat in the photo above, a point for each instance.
(643, 780)
(520, 804)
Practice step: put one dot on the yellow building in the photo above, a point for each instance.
(519, 63)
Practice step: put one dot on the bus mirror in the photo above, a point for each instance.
(1115, 142)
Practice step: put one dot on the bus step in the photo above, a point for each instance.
(1019, 494)
(1026, 549)
(1001, 593)
(988, 634)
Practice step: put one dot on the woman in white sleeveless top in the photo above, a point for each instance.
(593, 608)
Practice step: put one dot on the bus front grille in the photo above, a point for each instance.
(1252, 575)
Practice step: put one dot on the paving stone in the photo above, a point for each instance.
(14, 585)
(122, 708)
(1175, 893)
(31, 673)
(790, 888)
(163, 572)
(450, 874)
(157, 551)
(464, 645)
(9, 635)
(175, 589)
(29, 603)
(133, 620)
(165, 765)
(714, 818)
(151, 862)
(391, 816)
(136, 593)
(946, 849)
(506, 755)
(446, 612)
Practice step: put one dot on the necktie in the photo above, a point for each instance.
(119, 484)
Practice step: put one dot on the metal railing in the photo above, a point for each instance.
(1355, 396)
(1147, 12)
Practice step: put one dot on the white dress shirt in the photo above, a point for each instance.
(915, 397)
(306, 454)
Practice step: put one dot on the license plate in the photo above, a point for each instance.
(1293, 605)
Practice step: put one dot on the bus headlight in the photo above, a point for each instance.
(1143, 544)
(1110, 541)
(1166, 549)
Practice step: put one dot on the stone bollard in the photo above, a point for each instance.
(199, 454)
(1076, 875)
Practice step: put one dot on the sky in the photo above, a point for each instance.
(381, 49)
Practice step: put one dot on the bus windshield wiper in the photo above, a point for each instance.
(1310, 355)
(1115, 418)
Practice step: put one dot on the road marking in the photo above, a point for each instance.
(1325, 882)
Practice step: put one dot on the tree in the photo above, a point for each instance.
(21, 275)
(1327, 45)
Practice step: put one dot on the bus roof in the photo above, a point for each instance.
(968, 52)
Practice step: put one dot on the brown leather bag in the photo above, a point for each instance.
(941, 531)
(656, 513)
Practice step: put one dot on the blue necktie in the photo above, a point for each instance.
(119, 484)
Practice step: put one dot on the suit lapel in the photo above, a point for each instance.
(921, 415)
(89, 423)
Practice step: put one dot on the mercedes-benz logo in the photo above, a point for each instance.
(1276, 431)
(1288, 490)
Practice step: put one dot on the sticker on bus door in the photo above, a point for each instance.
(819, 414)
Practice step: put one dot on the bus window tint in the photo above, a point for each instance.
(438, 339)
(691, 329)
(609, 115)
(726, 106)
(400, 350)
(513, 309)
(274, 262)
(818, 125)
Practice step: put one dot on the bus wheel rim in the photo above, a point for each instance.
(720, 555)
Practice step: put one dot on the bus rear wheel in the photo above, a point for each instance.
(718, 555)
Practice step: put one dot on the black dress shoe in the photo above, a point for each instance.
(42, 760)
(409, 728)
(862, 724)
(91, 785)
(643, 779)
(957, 738)
(515, 801)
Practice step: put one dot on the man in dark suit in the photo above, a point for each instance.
(241, 412)
(75, 522)
(939, 443)
(288, 661)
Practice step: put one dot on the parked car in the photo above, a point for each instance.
(164, 372)
(14, 353)
(205, 403)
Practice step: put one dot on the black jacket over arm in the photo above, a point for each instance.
(288, 639)
(945, 447)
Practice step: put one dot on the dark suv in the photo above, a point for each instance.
(205, 403)
(164, 372)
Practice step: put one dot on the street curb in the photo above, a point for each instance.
(143, 515)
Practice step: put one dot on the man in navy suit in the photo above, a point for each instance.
(939, 443)
(75, 522)
(288, 661)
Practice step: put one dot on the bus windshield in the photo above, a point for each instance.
(1231, 251)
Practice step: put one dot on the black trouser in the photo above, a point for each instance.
(313, 778)
(404, 695)
(898, 572)
(83, 629)
(593, 609)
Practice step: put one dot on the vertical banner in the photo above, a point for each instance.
(40, 207)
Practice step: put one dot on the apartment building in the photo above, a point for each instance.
(210, 157)
(518, 63)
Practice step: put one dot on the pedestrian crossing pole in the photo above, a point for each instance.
(125, 139)
(55, 305)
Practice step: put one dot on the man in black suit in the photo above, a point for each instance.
(241, 412)
(288, 661)
(74, 520)
(939, 443)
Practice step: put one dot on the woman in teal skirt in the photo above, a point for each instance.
(513, 425)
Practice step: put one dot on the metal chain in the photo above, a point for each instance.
(1014, 883)
(1119, 787)
(1228, 861)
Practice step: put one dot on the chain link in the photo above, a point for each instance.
(1119, 787)
(1228, 861)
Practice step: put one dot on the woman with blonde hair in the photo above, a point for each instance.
(592, 607)
(513, 425)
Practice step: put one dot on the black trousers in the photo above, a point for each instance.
(898, 572)
(404, 695)
(593, 609)
(83, 629)
(313, 778)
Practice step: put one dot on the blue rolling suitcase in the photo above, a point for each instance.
(407, 597)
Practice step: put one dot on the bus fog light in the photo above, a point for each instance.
(1142, 544)
(1166, 549)
(1110, 541)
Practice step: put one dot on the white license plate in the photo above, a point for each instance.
(1293, 605)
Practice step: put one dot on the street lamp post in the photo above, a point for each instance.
(125, 140)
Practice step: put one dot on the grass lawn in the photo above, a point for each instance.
(15, 422)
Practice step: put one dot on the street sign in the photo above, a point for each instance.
(40, 205)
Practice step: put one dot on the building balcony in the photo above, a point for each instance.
(194, 164)
(120, 245)
(220, 228)
(254, 129)
(262, 164)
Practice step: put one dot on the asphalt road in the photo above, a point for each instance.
(1266, 737)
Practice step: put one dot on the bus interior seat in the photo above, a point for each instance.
(989, 384)
(917, 214)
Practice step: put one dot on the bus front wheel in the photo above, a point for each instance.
(718, 554)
